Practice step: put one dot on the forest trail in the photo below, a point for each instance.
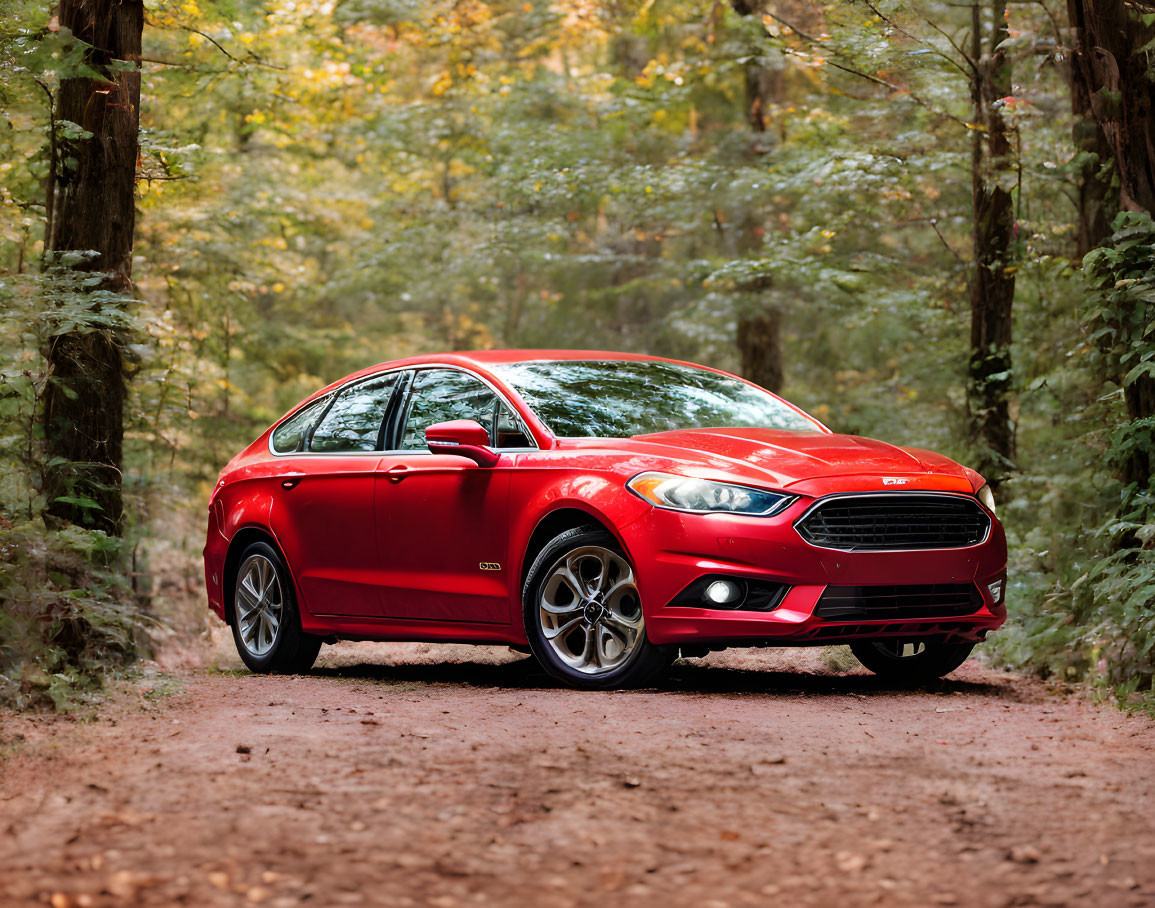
(402, 775)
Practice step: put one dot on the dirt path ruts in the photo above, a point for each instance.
(398, 776)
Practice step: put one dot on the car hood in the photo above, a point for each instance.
(808, 462)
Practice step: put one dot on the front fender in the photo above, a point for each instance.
(602, 497)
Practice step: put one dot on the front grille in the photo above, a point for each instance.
(895, 521)
(886, 603)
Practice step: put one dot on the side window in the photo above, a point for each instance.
(289, 435)
(439, 395)
(353, 423)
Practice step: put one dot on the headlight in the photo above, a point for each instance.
(701, 496)
(987, 497)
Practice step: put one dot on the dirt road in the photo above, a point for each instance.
(399, 775)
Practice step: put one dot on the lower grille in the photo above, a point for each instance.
(964, 629)
(895, 521)
(884, 603)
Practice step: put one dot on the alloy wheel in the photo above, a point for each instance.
(589, 610)
(259, 604)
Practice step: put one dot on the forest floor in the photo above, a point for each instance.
(444, 776)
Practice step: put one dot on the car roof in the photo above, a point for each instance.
(497, 357)
(481, 360)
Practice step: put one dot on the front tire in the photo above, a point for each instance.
(910, 661)
(265, 620)
(583, 615)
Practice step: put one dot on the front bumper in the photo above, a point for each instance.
(671, 550)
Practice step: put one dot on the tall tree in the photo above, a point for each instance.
(1111, 67)
(1112, 78)
(992, 280)
(759, 335)
(91, 209)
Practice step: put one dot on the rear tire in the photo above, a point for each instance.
(265, 620)
(913, 661)
(583, 616)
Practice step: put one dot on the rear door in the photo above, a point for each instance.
(323, 510)
(443, 521)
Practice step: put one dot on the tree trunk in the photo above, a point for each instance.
(992, 283)
(1110, 81)
(1112, 74)
(759, 333)
(94, 210)
(1098, 199)
(759, 343)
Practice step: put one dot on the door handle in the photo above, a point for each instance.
(290, 483)
(397, 473)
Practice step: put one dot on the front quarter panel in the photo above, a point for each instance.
(546, 482)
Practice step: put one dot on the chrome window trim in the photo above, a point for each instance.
(501, 395)
(954, 548)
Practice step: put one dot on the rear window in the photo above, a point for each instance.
(290, 435)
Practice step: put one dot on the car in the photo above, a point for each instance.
(604, 511)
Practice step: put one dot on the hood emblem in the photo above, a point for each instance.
(894, 481)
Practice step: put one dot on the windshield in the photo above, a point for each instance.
(621, 398)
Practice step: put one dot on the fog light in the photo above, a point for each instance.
(718, 591)
(722, 592)
(996, 590)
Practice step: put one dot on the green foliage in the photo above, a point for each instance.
(1122, 317)
(67, 614)
(1122, 323)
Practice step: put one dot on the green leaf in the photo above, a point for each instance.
(80, 501)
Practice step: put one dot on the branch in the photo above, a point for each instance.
(957, 49)
(902, 31)
(875, 79)
(195, 31)
(50, 181)
(1054, 21)
(140, 58)
(950, 248)
(249, 57)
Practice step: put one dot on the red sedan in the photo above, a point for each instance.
(603, 509)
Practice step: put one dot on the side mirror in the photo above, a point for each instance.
(463, 438)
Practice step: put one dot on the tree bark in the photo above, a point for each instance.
(760, 345)
(94, 210)
(992, 283)
(1098, 199)
(1110, 81)
(1113, 76)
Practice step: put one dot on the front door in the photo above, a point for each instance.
(443, 521)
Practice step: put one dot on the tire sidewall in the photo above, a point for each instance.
(937, 660)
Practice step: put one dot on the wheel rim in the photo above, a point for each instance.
(900, 649)
(259, 604)
(589, 610)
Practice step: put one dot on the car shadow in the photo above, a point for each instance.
(686, 677)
